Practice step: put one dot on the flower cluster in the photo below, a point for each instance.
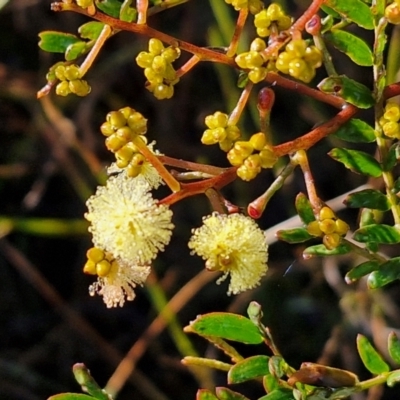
(271, 18)
(234, 245)
(157, 63)
(220, 131)
(129, 228)
(123, 128)
(254, 61)
(390, 120)
(331, 229)
(243, 155)
(254, 6)
(299, 60)
(69, 75)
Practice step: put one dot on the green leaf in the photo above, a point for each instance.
(127, 13)
(330, 11)
(392, 157)
(378, 233)
(204, 394)
(361, 270)
(321, 250)
(356, 131)
(357, 161)
(394, 347)
(279, 394)
(368, 198)
(249, 368)
(354, 47)
(354, 10)
(387, 273)
(393, 378)
(109, 7)
(304, 209)
(84, 378)
(371, 359)
(278, 367)
(295, 235)
(91, 30)
(75, 50)
(71, 396)
(353, 92)
(56, 42)
(224, 393)
(396, 186)
(227, 326)
(270, 383)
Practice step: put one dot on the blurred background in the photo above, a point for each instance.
(52, 157)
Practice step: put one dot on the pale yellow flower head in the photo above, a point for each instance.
(235, 245)
(119, 283)
(127, 222)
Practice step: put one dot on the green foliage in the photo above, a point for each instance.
(356, 131)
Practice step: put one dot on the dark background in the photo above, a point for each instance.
(48, 168)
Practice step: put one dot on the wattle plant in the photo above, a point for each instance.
(129, 227)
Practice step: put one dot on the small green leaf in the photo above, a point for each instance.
(224, 393)
(227, 326)
(353, 92)
(378, 233)
(354, 47)
(368, 198)
(75, 50)
(330, 11)
(361, 270)
(387, 273)
(204, 394)
(357, 161)
(279, 394)
(396, 186)
(249, 368)
(71, 396)
(56, 42)
(371, 359)
(394, 347)
(109, 7)
(356, 131)
(91, 30)
(277, 366)
(367, 217)
(127, 13)
(392, 157)
(304, 209)
(84, 378)
(354, 10)
(321, 250)
(393, 378)
(270, 383)
(295, 235)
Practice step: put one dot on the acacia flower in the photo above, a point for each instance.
(127, 222)
(235, 245)
(118, 285)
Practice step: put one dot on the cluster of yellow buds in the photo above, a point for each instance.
(255, 62)
(121, 128)
(299, 60)
(251, 156)
(69, 75)
(270, 19)
(157, 63)
(390, 120)
(254, 6)
(220, 131)
(392, 12)
(98, 262)
(331, 229)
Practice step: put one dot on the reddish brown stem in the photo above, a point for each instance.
(238, 31)
(300, 24)
(191, 189)
(311, 138)
(204, 54)
(191, 166)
